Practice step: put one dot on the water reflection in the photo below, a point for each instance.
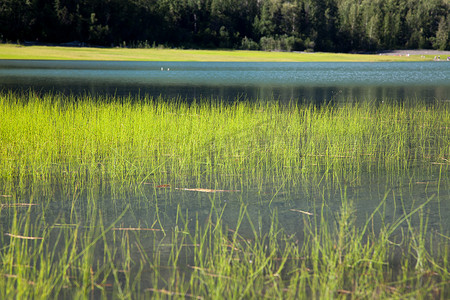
(190, 80)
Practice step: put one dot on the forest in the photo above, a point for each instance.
(286, 25)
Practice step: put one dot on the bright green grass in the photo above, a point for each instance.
(84, 162)
(120, 54)
(44, 136)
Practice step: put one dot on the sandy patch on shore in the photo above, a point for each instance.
(442, 54)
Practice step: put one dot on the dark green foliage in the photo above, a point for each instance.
(320, 25)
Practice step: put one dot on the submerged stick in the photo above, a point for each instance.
(23, 237)
(206, 190)
(302, 211)
(136, 229)
(18, 204)
(15, 276)
(209, 272)
(166, 292)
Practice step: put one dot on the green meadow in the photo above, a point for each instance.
(9, 51)
(105, 197)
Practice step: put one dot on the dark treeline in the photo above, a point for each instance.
(319, 25)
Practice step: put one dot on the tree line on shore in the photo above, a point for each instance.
(291, 25)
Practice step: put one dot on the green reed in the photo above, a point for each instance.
(161, 140)
(95, 167)
(227, 252)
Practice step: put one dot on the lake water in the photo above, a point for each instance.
(148, 206)
(315, 81)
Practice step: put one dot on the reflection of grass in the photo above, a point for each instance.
(67, 53)
(91, 156)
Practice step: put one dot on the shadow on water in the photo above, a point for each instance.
(286, 82)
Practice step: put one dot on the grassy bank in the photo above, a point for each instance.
(124, 54)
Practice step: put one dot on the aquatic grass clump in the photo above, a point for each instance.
(333, 258)
(203, 258)
(107, 197)
(162, 140)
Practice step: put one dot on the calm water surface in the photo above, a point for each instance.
(284, 81)
(227, 80)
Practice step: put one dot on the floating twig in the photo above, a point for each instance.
(207, 190)
(166, 292)
(136, 229)
(23, 237)
(209, 273)
(301, 211)
(18, 205)
(183, 245)
(15, 276)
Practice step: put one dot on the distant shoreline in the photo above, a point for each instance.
(405, 52)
